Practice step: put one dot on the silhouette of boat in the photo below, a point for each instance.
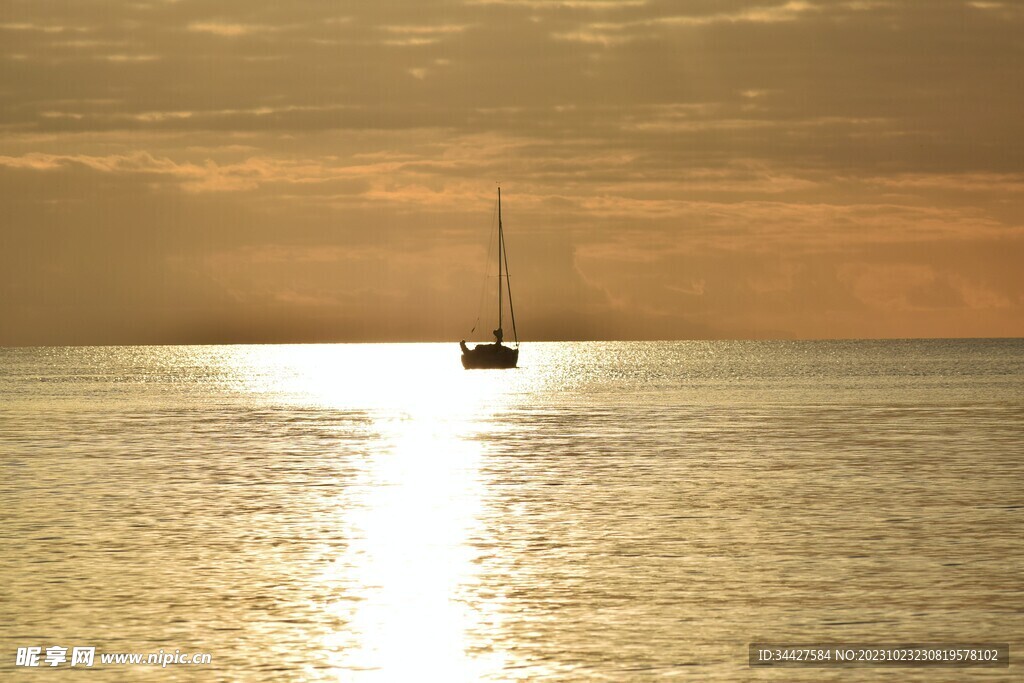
(496, 355)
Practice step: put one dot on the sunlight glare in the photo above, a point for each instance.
(412, 512)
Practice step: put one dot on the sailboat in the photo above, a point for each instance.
(496, 355)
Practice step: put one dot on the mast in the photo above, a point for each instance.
(501, 242)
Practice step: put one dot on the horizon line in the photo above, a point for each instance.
(368, 342)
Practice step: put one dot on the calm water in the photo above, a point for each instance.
(609, 511)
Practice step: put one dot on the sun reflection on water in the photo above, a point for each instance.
(404, 581)
(409, 562)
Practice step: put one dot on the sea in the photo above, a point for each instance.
(612, 511)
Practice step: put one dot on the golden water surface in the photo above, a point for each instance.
(608, 511)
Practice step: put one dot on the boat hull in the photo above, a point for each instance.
(490, 356)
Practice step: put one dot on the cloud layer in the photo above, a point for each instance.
(251, 171)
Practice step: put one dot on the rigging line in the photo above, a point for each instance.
(486, 278)
(508, 282)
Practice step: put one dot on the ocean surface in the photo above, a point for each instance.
(608, 511)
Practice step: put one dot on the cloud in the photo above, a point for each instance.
(42, 28)
(411, 35)
(208, 176)
(589, 5)
(226, 29)
(618, 33)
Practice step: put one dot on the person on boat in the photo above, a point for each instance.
(498, 336)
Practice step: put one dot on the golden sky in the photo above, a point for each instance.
(177, 171)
